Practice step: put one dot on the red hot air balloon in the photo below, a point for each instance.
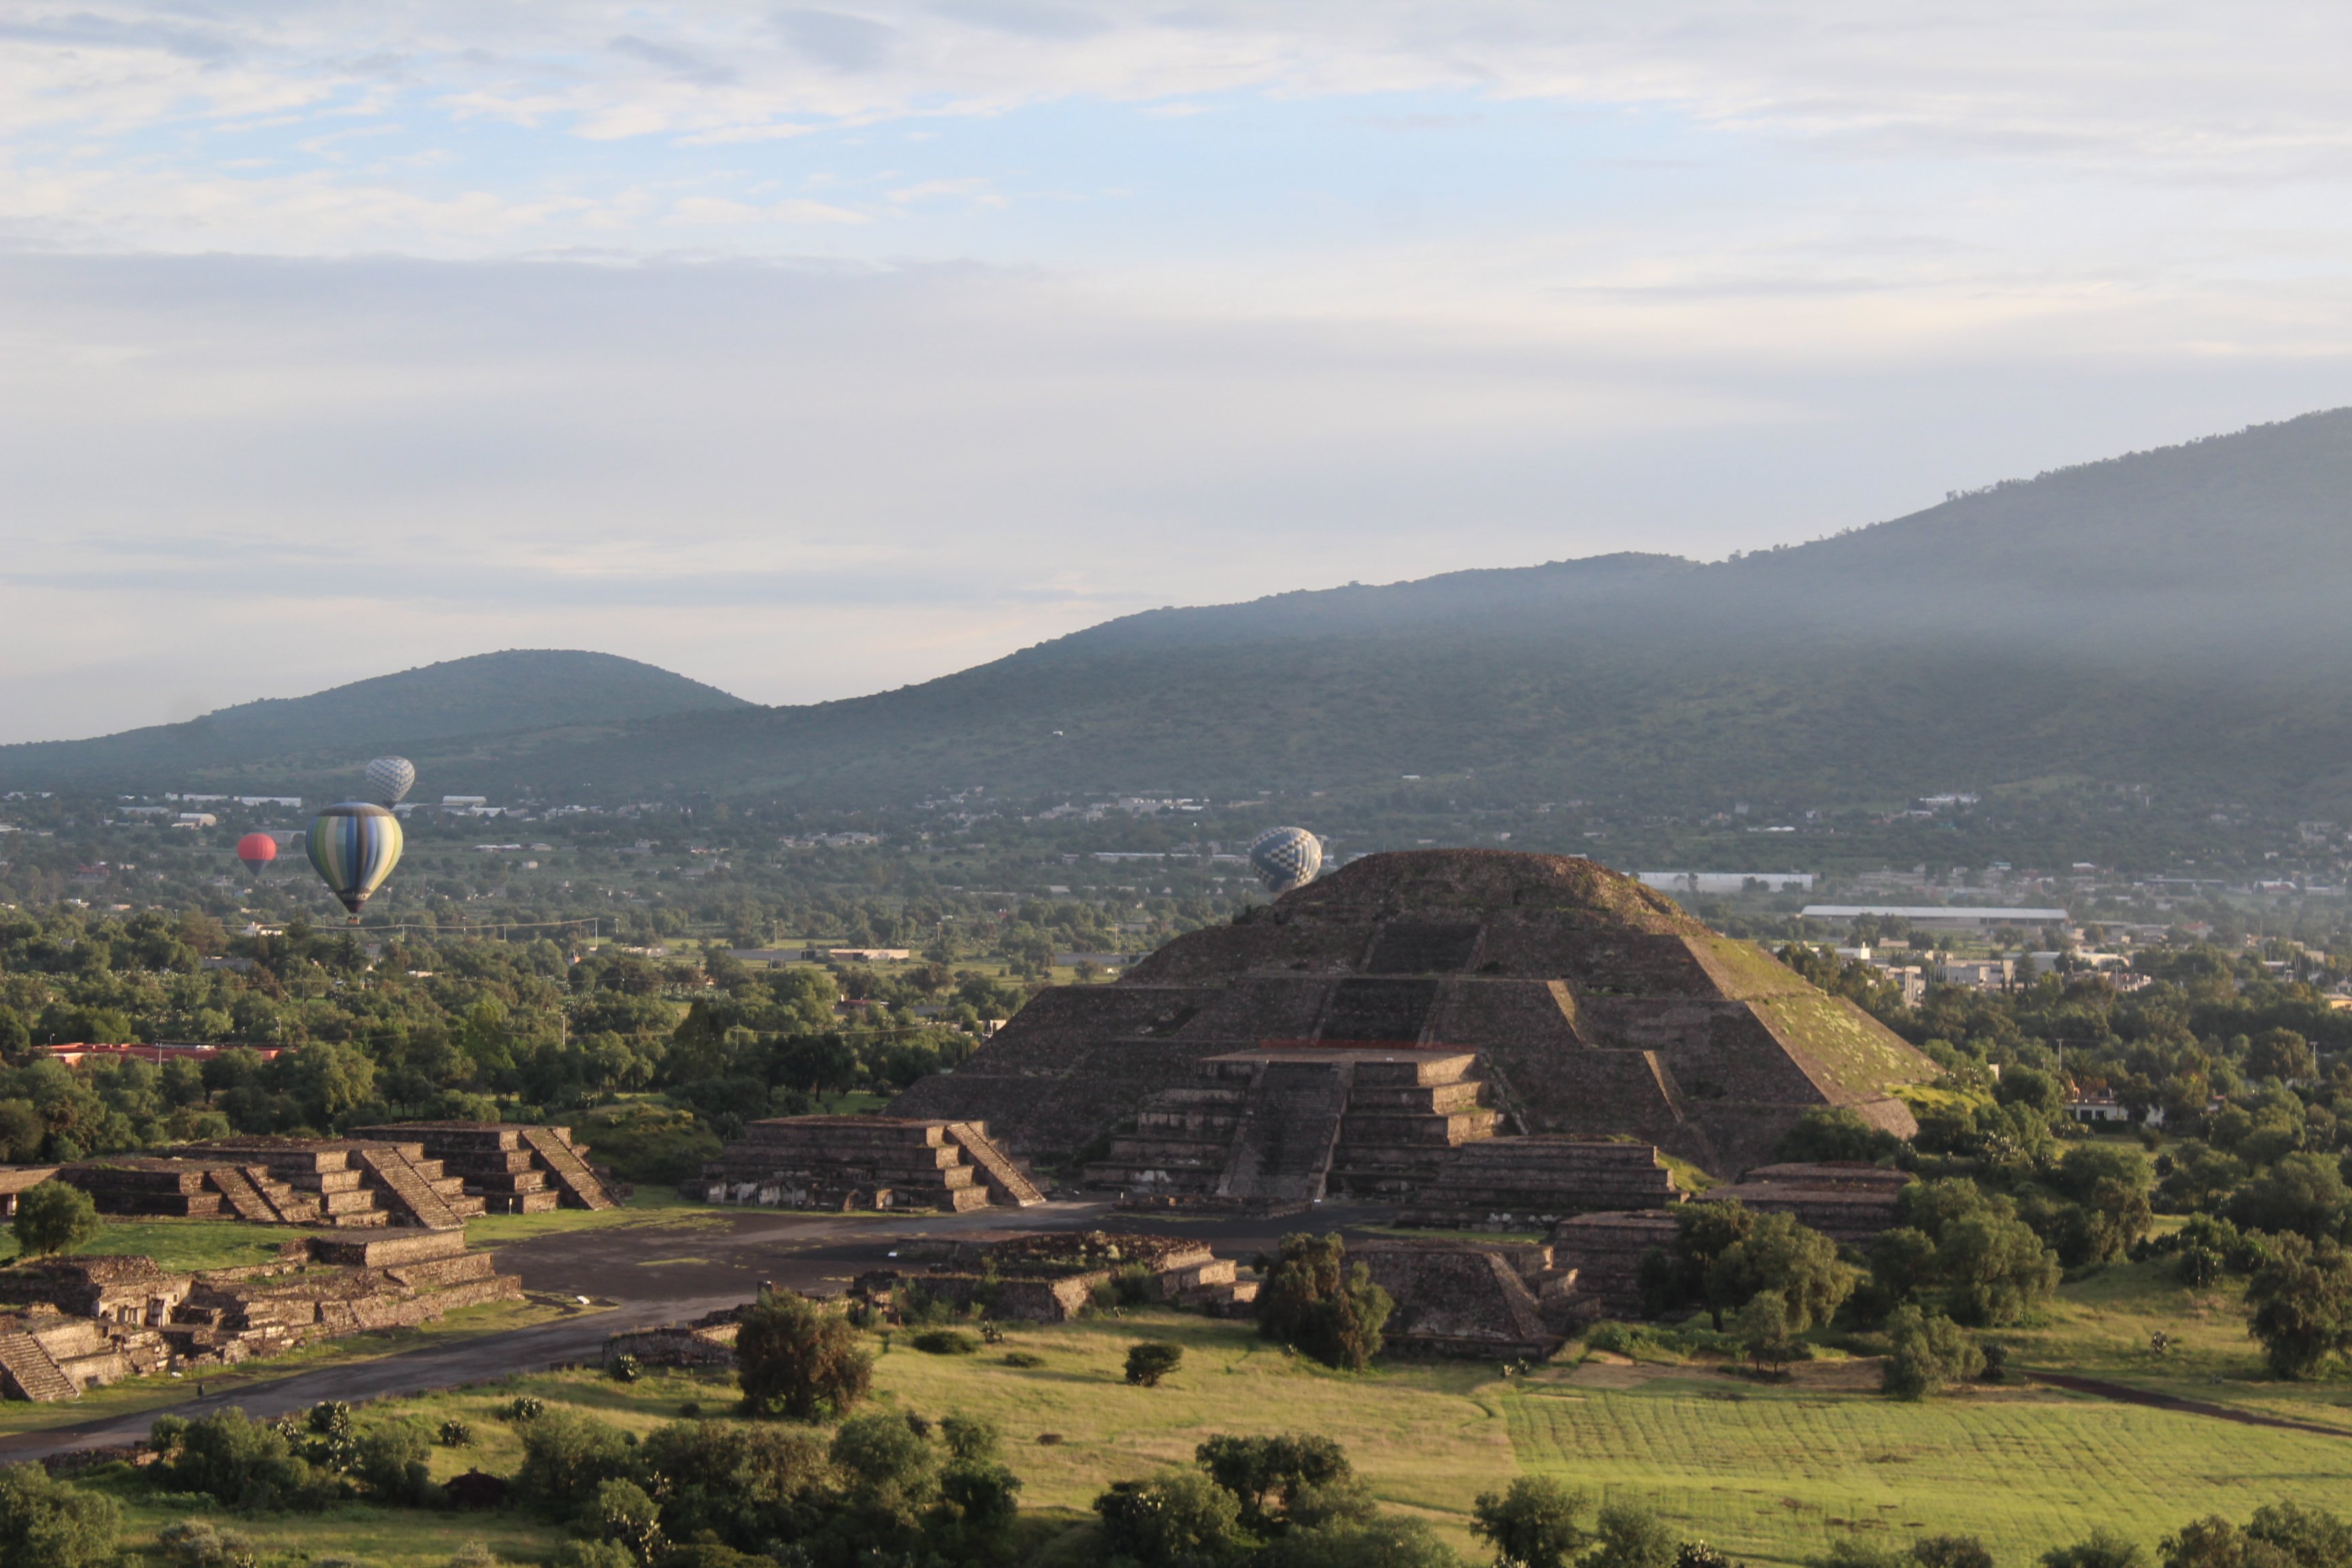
(256, 850)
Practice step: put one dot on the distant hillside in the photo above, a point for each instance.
(2172, 619)
(505, 697)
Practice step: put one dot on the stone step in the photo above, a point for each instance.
(1007, 1183)
(573, 1179)
(30, 1371)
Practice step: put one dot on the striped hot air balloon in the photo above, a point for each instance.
(354, 845)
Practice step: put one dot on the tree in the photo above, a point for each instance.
(1837, 1133)
(621, 1513)
(1786, 1259)
(1178, 1517)
(2281, 1054)
(797, 1358)
(1314, 1302)
(566, 1457)
(1533, 1524)
(55, 1216)
(1625, 1536)
(2300, 1305)
(2302, 1193)
(244, 1463)
(1386, 1541)
(1266, 1475)
(2112, 1184)
(1930, 1352)
(1995, 1266)
(1152, 1359)
(1762, 1326)
(45, 1524)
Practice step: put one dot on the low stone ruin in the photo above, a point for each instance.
(1051, 1276)
(1846, 1200)
(1481, 1298)
(513, 1167)
(1530, 1182)
(707, 1342)
(190, 1189)
(84, 1322)
(864, 1162)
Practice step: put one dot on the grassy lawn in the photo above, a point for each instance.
(1776, 1474)
(1771, 1473)
(178, 1243)
(650, 1206)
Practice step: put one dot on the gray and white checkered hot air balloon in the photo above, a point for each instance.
(389, 779)
(1286, 857)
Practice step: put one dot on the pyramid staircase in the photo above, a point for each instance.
(354, 1183)
(512, 1167)
(1283, 1126)
(28, 1371)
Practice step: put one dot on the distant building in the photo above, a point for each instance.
(1725, 881)
(1976, 973)
(1958, 917)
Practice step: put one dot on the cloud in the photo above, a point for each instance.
(677, 64)
(837, 39)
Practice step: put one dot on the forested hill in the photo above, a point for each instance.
(499, 696)
(2172, 619)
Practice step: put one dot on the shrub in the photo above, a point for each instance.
(245, 1464)
(2103, 1549)
(747, 1485)
(592, 1554)
(200, 1543)
(623, 1369)
(1951, 1552)
(795, 1358)
(1152, 1359)
(393, 1462)
(524, 1407)
(455, 1433)
(1930, 1354)
(473, 1554)
(1024, 1358)
(566, 1457)
(1699, 1555)
(623, 1514)
(1172, 1517)
(1533, 1524)
(55, 1216)
(944, 1342)
(1385, 1543)
(45, 1524)
(1313, 1302)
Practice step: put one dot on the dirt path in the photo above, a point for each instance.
(2126, 1394)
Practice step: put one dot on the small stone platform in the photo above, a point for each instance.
(1050, 1277)
(1477, 1298)
(1605, 1251)
(1530, 1182)
(864, 1162)
(1846, 1200)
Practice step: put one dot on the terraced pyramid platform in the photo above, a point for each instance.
(1590, 1006)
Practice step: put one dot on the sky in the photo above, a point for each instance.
(811, 351)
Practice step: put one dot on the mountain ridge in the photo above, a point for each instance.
(2167, 618)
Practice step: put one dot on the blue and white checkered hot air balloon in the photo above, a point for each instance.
(1286, 857)
(389, 779)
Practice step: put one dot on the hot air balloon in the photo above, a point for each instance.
(1286, 857)
(256, 850)
(390, 779)
(354, 845)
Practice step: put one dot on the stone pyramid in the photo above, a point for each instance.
(1596, 1008)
